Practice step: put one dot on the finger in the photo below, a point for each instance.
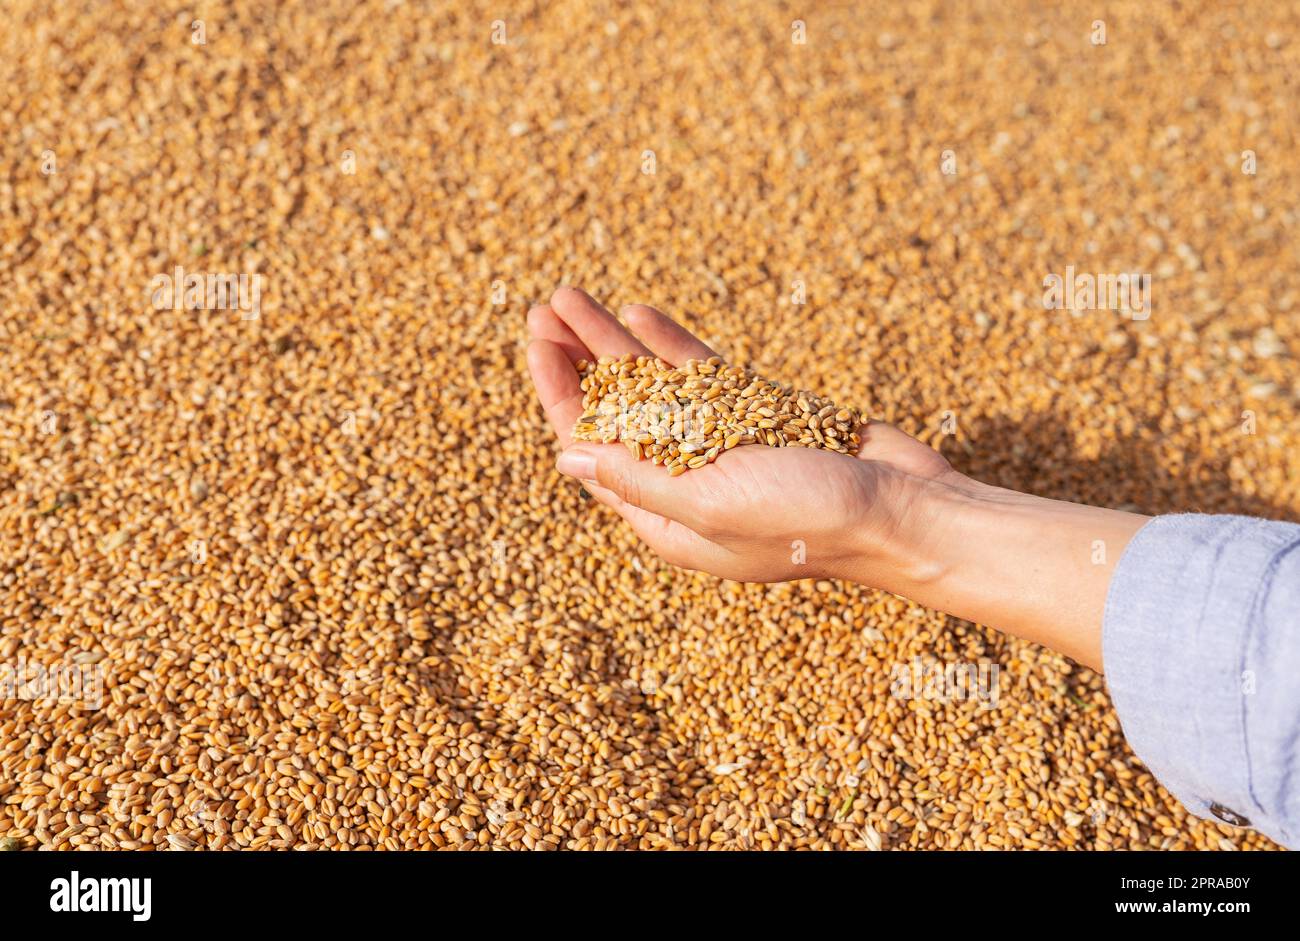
(880, 438)
(561, 398)
(543, 324)
(596, 327)
(645, 523)
(557, 386)
(882, 442)
(669, 339)
(674, 543)
(640, 483)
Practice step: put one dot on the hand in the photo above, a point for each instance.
(895, 516)
(757, 513)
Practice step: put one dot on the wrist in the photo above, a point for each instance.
(1024, 565)
(911, 548)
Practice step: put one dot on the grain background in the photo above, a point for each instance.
(336, 592)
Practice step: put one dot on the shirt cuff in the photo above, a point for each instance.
(1176, 643)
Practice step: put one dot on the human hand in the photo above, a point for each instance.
(756, 513)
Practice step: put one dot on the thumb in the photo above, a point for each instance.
(640, 483)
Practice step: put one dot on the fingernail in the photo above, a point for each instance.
(580, 464)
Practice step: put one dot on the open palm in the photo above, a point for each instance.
(754, 514)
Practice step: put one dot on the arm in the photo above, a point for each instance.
(1025, 565)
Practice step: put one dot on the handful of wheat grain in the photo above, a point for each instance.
(684, 416)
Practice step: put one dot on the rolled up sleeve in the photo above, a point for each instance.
(1201, 649)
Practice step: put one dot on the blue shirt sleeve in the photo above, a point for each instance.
(1201, 648)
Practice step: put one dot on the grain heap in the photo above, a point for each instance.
(336, 592)
(684, 417)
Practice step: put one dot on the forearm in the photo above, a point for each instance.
(1024, 565)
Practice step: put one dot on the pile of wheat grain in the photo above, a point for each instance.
(314, 548)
